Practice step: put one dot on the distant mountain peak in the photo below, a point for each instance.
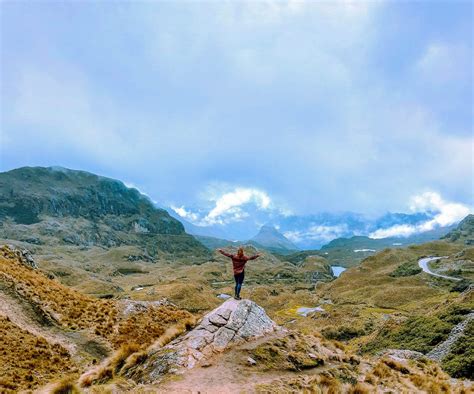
(270, 237)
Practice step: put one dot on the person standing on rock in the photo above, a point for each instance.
(238, 261)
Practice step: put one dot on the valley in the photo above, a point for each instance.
(99, 284)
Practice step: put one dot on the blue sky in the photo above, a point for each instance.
(315, 106)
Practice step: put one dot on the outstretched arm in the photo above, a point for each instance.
(254, 256)
(225, 253)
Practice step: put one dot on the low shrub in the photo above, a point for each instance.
(461, 286)
(406, 269)
(419, 333)
(343, 333)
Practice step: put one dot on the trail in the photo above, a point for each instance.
(423, 263)
(230, 372)
(25, 316)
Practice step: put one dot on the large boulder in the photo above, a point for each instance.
(231, 323)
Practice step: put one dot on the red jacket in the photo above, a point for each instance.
(238, 263)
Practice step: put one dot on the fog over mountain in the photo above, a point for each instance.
(239, 215)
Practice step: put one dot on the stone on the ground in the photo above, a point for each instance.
(251, 361)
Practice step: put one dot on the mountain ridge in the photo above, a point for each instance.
(54, 204)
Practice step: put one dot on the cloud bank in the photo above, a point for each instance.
(227, 207)
(331, 106)
(444, 214)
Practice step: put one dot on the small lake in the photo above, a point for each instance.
(337, 270)
(304, 311)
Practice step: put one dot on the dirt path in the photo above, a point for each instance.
(27, 318)
(24, 317)
(228, 372)
(423, 263)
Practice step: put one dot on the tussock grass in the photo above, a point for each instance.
(67, 307)
(65, 386)
(58, 305)
(28, 361)
(130, 355)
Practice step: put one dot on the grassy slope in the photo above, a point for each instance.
(375, 309)
(88, 321)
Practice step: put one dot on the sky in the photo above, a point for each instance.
(302, 107)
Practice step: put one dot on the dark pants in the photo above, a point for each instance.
(239, 279)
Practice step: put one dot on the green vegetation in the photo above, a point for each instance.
(463, 233)
(343, 333)
(462, 285)
(420, 333)
(406, 269)
(459, 363)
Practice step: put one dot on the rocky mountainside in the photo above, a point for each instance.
(57, 205)
(463, 233)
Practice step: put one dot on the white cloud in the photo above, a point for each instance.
(184, 213)
(445, 214)
(317, 233)
(227, 206)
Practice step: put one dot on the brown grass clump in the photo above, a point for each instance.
(145, 327)
(329, 384)
(110, 367)
(131, 354)
(65, 386)
(28, 361)
(360, 388)
(422, 375)
(293, 352)
(396, 366)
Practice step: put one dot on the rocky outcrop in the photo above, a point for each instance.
(232, 323)
(401, 354)
(23, 255)
(130, 307)
(440, 351)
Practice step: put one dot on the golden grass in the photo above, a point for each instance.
(73, 311)
(131, 354)
(145, 327)
(69, 308)
(28, 361)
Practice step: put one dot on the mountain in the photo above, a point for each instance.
(57, 205)
(464, 232)
(311, 231)
(213, 243)
(271, 239)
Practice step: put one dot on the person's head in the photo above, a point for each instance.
(240, 252)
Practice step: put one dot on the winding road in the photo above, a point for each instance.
(423, 263)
